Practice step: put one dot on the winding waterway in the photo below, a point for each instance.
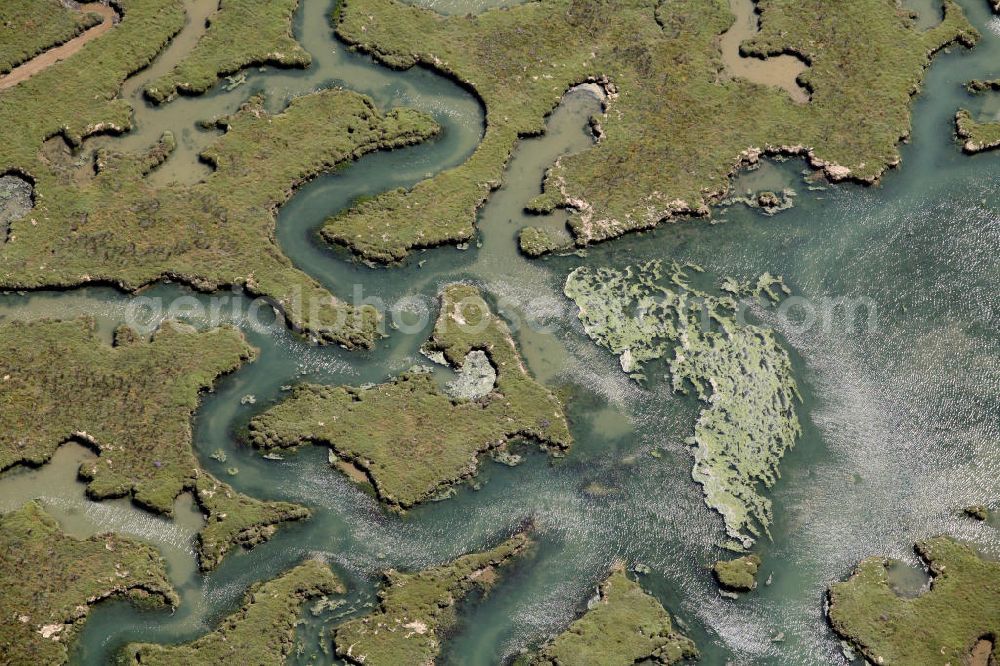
(900, 414)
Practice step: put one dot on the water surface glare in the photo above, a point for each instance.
(900, 416)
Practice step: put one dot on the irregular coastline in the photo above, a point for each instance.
(219, 232)
(945, 624)
(416, 610)
(574, 43)
(623, 626)
(50, 581)
(241, 34)
(257, 532)
(976, 137)
(132, 404)
(738, 372)
(433, 439)
(262, 631)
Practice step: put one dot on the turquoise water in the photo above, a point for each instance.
(900, 413)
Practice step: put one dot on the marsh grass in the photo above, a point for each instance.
(674, 126)
(242, 33)
(416, 610)
(262, 631)
(408, 435)
(49, 581)
(623, 626)
(30, 27)
(942, 625)
(132, 403)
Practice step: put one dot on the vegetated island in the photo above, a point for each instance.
(240, 34)
(976, 137)
(978, 512)
(118, 227)
(956, 621)
(739, 574)
(131, 402)
(262, 631)
(408, 436)
(675, 126)
(30, 27)
(739, 372)
(977, 86)
(416, 610)
(623, 626)
(49, 581)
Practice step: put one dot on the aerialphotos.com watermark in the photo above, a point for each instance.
(413, 314)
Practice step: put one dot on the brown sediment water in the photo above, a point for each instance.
(779, 71)
(45, 60)
(353, 472)
(906, 580)
(929, 12)
(149, 121)
(981, 653)
(197, 16)
(57, 487)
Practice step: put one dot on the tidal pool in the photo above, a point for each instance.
(899, 408)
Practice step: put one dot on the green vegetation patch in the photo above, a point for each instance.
(977, 86)
(417, 609)
(738, 371)
(233, 519)
(29, 27)
(131, 402)
(240, 34)
(674, 126)
(262, 631)
(976, 137)
(48, 582)
(116, 226)
(960, 612)
(738, 575)
(623, 626)
(410, 437)
(78, 97)
(536, 241)
(977, 511)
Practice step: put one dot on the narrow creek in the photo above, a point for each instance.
(780, 71)
(886, 456)
(26, 70)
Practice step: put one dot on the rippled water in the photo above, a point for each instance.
(900, 413)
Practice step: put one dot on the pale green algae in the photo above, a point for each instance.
(738, 370)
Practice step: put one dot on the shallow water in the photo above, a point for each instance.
(929, 12)
(780, 71)
(900, 414)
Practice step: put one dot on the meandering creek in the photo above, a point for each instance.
(779, 71)
(900, 413)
